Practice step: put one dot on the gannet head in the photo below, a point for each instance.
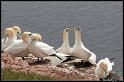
(35, 37)
(9, 32)
(77, 30)
(66, 32)
(26, 37)
(17, 31)
(103, 65)
(40, 37)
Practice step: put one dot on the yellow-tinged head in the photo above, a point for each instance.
(17, 31)
(67, 30)
(9, 32)
(35, 37)
(40, 37)
(104, 66)
(26, 37)
(77, 29)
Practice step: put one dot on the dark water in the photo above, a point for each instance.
(101, 24)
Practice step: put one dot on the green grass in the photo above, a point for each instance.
(8, 75)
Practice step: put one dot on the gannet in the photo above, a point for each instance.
(80, 51)
(17, 31)
(40, 40)
(65, 48)
(19, 47)
(40, 49)
(10, 38)
(104, 67)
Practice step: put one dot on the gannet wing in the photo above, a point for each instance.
(16, 48)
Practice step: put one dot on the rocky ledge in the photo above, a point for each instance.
(72, 70)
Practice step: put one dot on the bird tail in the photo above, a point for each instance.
(56, 56)
(92, 59)
(69, 58)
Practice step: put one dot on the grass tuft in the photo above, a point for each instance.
(9, 75)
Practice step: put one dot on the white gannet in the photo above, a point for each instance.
(65, 48)
(10, 38)
(40, 49)
(17, 31)
(40, 40)
(19, 47)
(80, 51)
(104, 67)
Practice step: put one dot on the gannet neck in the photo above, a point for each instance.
(78, 38)
(26, 40)
(65, 39)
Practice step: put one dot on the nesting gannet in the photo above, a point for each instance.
(17, 31)
(104, 67)
(80, 51)
(65, 48)
(10, 38)
(19, 47)
(40, 49)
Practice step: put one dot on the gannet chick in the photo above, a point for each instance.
(17, 31)
(80, 51)
(40, 49)
(104, 67)
(10, 38)
(65, 48)
(19, 47)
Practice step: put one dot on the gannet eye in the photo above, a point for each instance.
(18, 32)
(39, 39)
(33, 39)
(67, 29)
(78, 29)
(6, 35)
(30, 34)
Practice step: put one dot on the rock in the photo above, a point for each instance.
(2, 64)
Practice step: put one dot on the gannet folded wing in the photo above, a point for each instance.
(17, 49)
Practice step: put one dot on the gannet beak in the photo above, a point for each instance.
(18, 35)
(30, 34)
(40, 40)
(104, 71)
(5, 37)
(70, 29)
(78, 28)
